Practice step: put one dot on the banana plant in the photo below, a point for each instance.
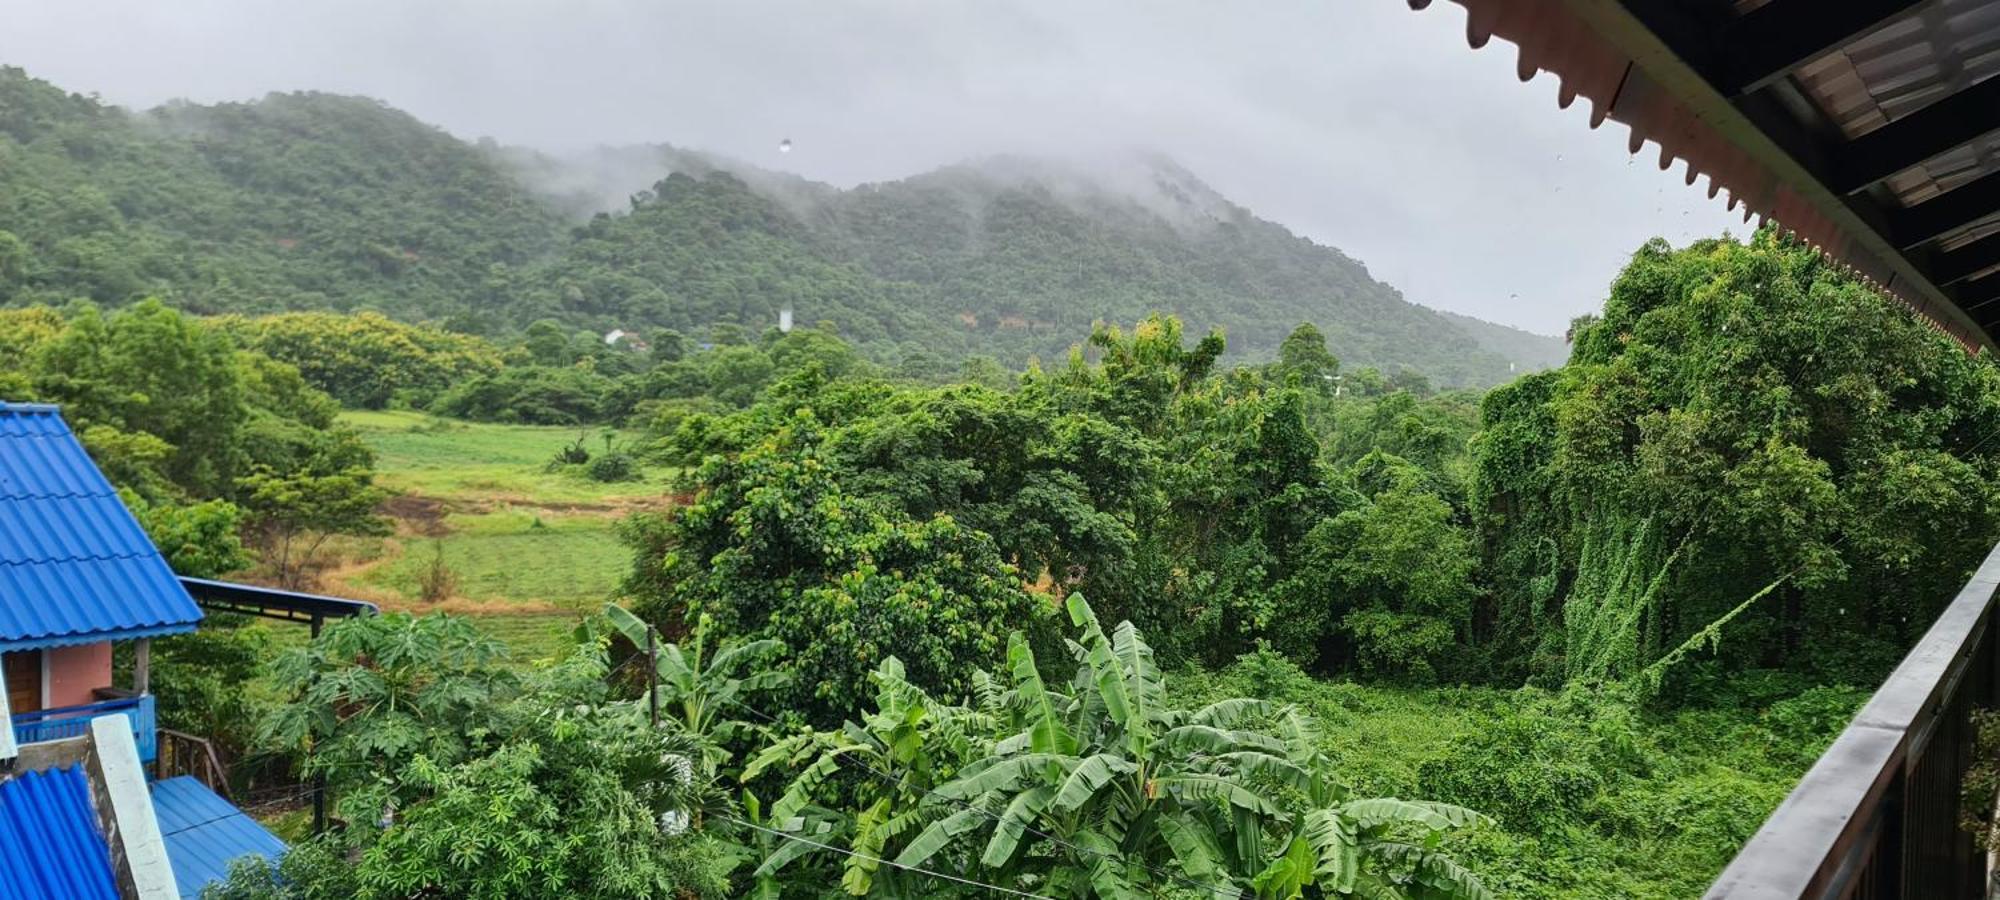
(878, 773)
(704, 693)
(1105, 791)
(1341, 846)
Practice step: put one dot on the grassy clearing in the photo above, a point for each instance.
(472, 462)
(514, 558)
(531, 549)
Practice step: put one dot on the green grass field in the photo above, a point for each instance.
(531, 549)
(517, 556)
(472, 462)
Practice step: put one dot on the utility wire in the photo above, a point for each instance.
(886, 862)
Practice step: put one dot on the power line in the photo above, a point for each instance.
(886, 862)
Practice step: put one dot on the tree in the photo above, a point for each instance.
(199, 540)
(1304, 361)
(773, 546)
(1743, 418)
(366, 359)
(1394, 574)
(153, 370)
(293, 514)
(704, 692)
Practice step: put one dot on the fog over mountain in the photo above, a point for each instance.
(1358, 124)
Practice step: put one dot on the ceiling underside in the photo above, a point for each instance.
(1865, 127)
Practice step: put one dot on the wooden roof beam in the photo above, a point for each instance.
(1962, 263)
(1769, 42)
(1982, 294)
(1948, 123)
(1946, 212)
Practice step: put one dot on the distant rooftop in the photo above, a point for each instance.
(75, 567)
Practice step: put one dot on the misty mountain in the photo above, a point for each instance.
(1527, 350)
(308, 201)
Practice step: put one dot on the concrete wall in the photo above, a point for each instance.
(75, 672)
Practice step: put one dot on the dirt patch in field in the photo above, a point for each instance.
(417, 514)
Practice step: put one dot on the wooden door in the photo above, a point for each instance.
(24, 680)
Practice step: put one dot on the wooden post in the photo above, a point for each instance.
(319, 781)
(653, 676)
(142, 666)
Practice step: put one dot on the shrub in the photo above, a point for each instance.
(613, 465)
(438, 581)
(1536, 771)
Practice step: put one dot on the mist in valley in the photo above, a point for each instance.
(1362, 126)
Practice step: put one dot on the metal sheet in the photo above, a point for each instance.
(1553, 37)
(205, 833)
(74, 564)
(49, 842)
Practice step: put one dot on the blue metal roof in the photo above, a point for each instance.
(75, 567)
(49, 842)
(204, 833)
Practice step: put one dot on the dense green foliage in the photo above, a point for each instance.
(459, 777)
(1199, 504)
(210, 443)
(1590, 797)
(1097, 787)
(297, 201)
(1742, 416)
(316, 202)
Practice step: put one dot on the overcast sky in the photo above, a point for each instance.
(1355, 122)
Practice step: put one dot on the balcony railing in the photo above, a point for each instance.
(74, 721)
(1878, 815)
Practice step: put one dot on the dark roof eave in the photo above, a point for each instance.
(1603, 52)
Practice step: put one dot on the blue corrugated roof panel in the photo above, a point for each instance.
(75, 567)
(204, 833)
(49, 842)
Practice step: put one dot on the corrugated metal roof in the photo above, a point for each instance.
(204, 833)
(1868, 83)
(75, 567)
(1932, 53)
(49, 843)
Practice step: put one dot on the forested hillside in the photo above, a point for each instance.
(320, 202)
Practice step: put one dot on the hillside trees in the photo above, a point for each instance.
(1741, 416)
(311, 202)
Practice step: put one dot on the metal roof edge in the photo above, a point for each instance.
(98, 637)
(1599, 50)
